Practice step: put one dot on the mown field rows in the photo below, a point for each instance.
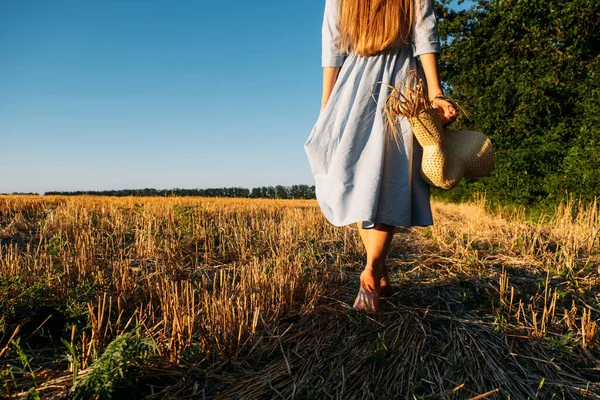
(250, 298)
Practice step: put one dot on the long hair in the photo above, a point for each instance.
(370, 26)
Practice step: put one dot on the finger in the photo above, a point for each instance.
(448, 112)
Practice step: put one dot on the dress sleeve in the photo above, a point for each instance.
(424, 33)
(330, 55)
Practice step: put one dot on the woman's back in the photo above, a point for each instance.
(367, 27)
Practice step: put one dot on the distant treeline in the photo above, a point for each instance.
(272, 192)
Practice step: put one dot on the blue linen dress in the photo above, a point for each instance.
(360, 173)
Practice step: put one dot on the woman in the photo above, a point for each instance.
(363, 175)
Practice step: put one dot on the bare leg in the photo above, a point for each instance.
(379, 239)
(384, 284)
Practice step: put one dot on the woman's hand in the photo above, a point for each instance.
(432, 77)
(448, 111)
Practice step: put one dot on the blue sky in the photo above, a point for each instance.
(131, 94)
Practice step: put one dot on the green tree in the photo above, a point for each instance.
(528, 73)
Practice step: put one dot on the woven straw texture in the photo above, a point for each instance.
(450, 154)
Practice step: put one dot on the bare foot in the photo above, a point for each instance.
(386, 288)
(368, 294)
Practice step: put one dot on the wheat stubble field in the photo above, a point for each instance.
(250, 298)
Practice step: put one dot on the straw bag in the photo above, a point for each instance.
(448, 154)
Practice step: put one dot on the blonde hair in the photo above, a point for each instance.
(370, 26)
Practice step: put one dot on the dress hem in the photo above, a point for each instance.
(397, 224)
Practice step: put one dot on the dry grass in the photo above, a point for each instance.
(405, 100)
(249, 298)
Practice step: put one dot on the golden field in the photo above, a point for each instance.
(193, 297)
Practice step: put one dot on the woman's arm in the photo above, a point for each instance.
(427, 46)
(434, 88)
(331, 56)
(329, 78)
(429, 63)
